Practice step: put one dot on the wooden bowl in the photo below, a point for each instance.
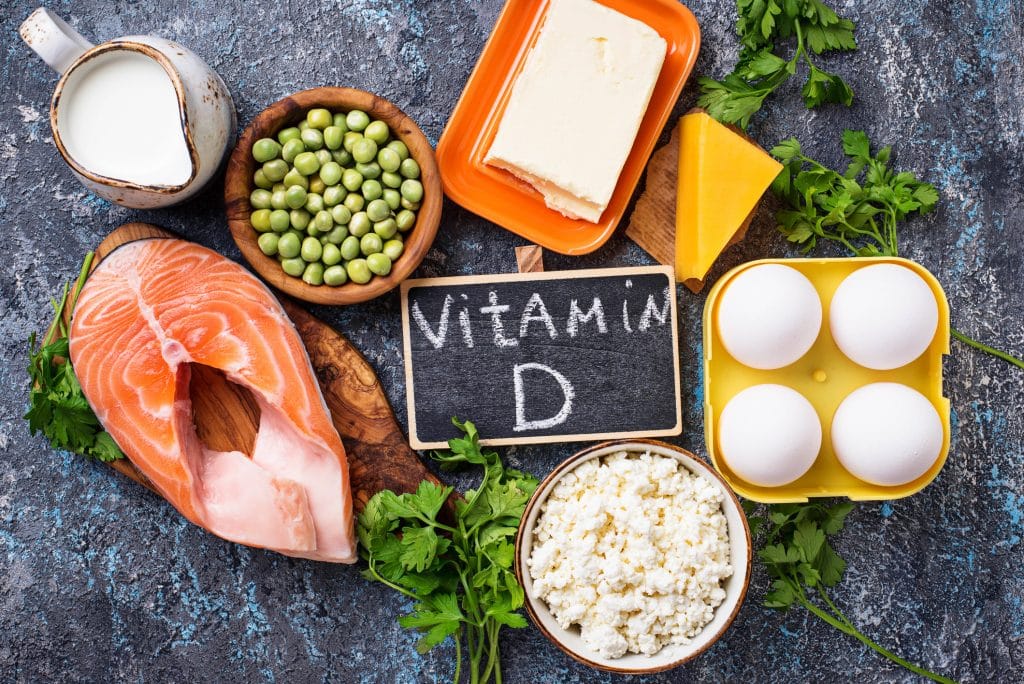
(673, 655)
(238, 185)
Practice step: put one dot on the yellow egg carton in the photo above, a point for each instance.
(825, 376)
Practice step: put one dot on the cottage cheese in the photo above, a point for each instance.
(633, 548)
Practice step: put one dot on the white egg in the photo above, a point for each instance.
(769, 435)
(887, 434)
(769, 316)
(883, 316)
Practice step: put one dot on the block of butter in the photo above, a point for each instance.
(722, 175)
(577, 104)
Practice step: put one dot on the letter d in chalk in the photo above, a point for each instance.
(563, 413)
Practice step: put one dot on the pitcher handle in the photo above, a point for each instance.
(53, 39)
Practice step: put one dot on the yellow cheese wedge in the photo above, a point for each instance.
(722, 175)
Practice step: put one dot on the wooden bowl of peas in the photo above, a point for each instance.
(333, 195)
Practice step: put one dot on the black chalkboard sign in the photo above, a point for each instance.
(543, 357)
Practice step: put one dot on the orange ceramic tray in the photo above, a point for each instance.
(504, 199)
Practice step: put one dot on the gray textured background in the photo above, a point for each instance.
(100, 580)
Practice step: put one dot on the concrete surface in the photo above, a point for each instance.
(101, 581)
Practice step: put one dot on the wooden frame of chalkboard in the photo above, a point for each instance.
(445, 360)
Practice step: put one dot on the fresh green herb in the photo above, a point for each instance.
(859, 209)
(460, 575)
(57, 405)
(761, 26)
(802, 564)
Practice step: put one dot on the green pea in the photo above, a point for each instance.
(312, 139)
(358, 271)
(290, 133)
(411, 206)
(265, 149)
(312, 250)
(370, 244)
(268, 243)
(393, 249)
(299, 219)
(261, 181)
(337, 235)
(377, 210)
(292, 149)
(302, 125)
(406, 220)
(335, 275)
(364, 150)
(378, 132)
(260, 198)
(410, 169)
(277, 200)
(294, 178)
(349, 140)
(293, 266)
(331, 255)
(342, 157)
(316, 185)
(307, 164)
(275, 170)
(319, 118)
(393, 198)
(323, 156)
(389, 159)
(339, 122)
(355, 202)
(311, 231)
(360, 224)
(279, 187)
(314, 274)
(399, 147)
(357, 120)
(349, 248)
(333, 137)
(390, 179)
(260, 220)
(412, 190)
(288, 245)
(334, 195)
(386, 229)
(371, 190)
(331, 172)
(323, 221)
(371, 170)
(351, 179)
(379, 263)
(279, 220)
(314, 203)
(295, 196)
(341, 214)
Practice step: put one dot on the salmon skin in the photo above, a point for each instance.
(149, 311)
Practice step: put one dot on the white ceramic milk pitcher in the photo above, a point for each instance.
(141, 120)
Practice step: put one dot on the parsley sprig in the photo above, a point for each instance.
(459, 575)
(860, 208)
(803, 565)
(57, 405)
(761, 26)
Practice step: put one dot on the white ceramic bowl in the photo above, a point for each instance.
(735, 586)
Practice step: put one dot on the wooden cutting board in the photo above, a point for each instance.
(226, 415)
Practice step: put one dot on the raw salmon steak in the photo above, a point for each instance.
(151, 310)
